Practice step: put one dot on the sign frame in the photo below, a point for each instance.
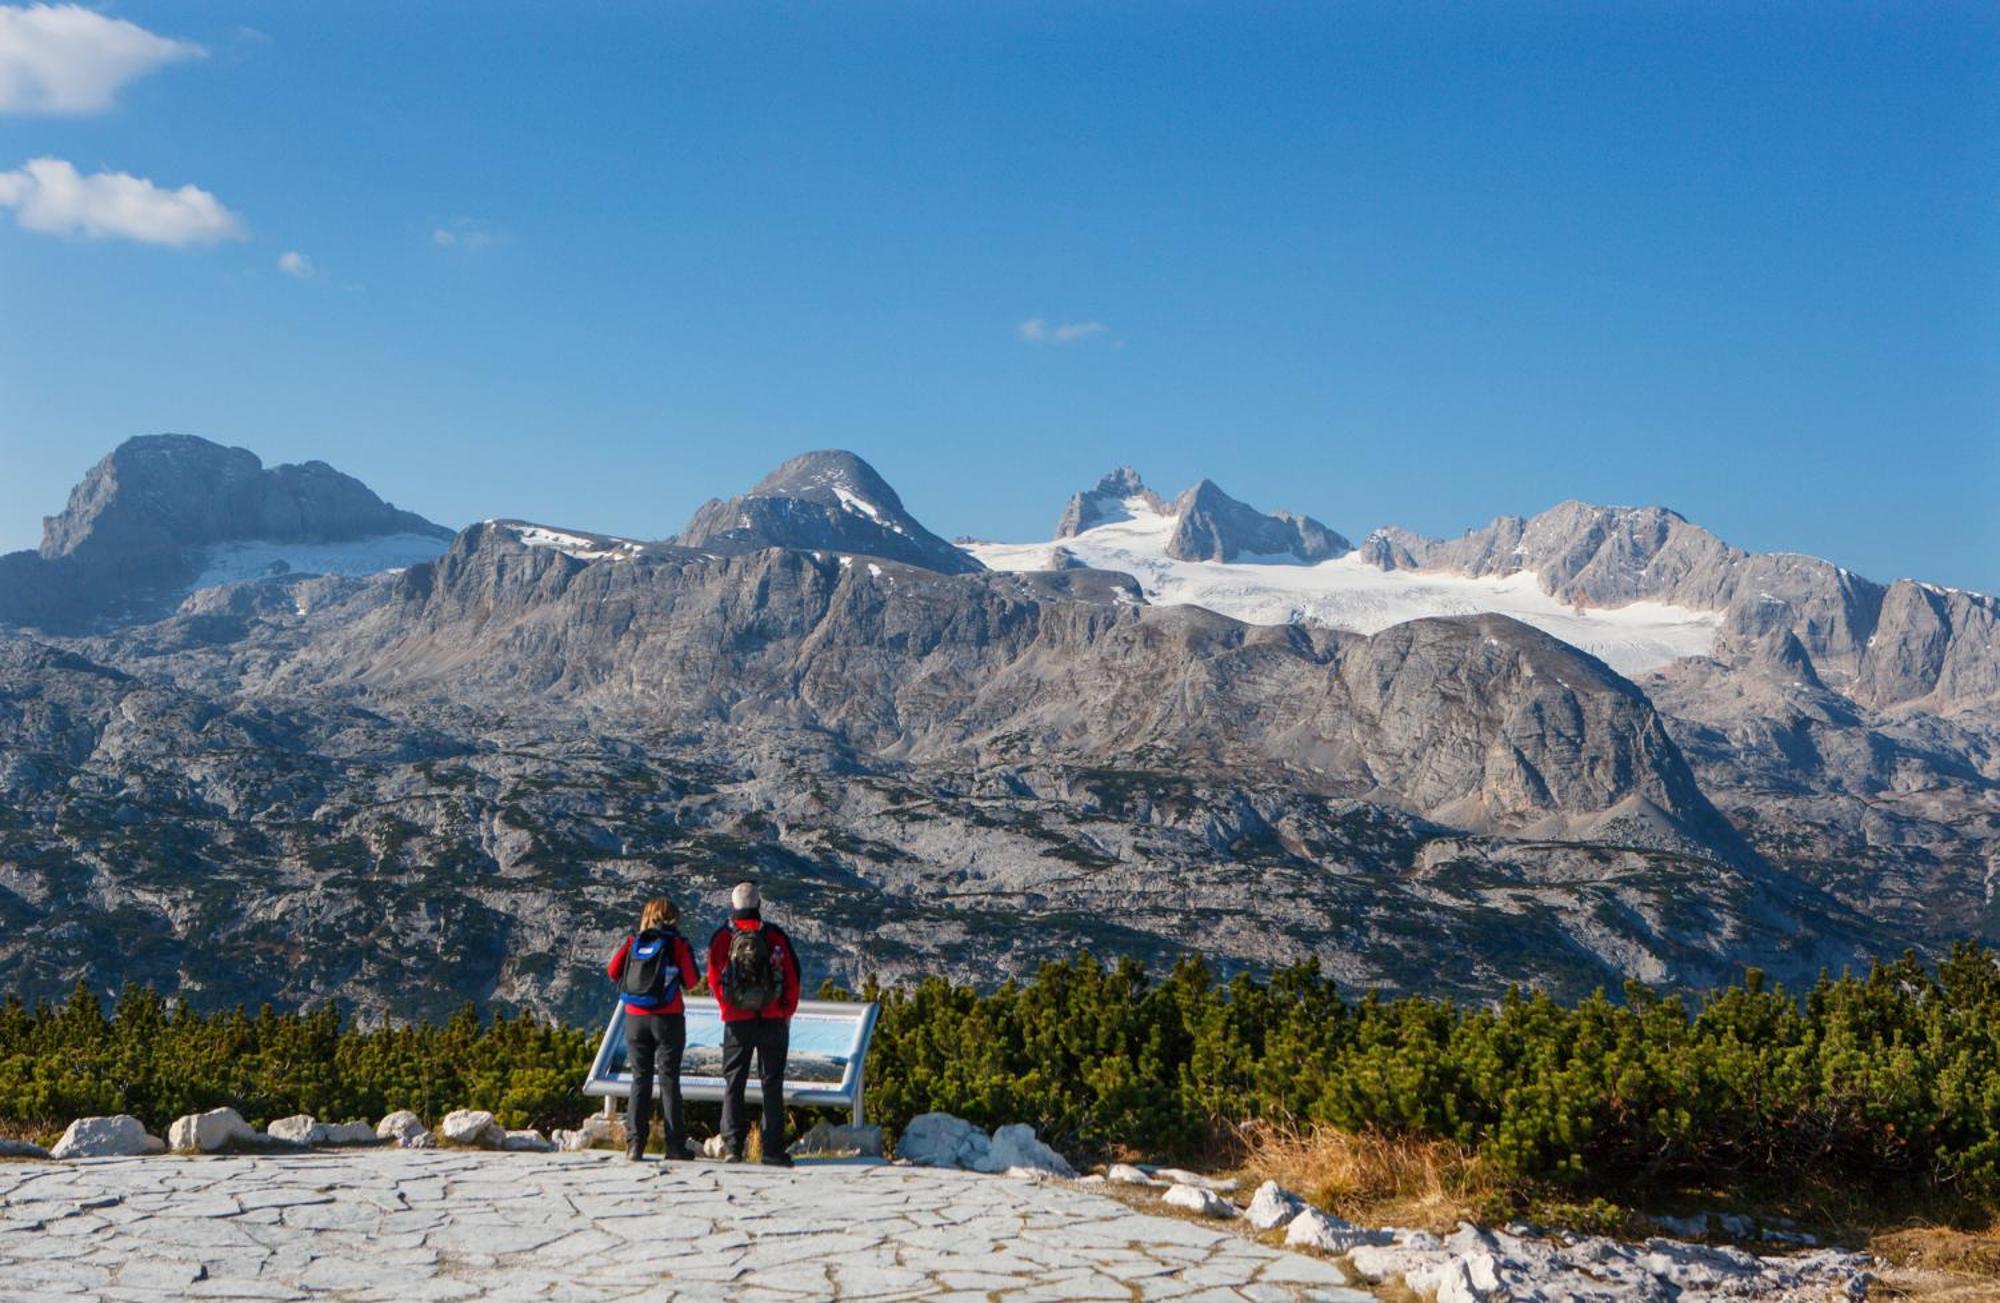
(847, 1093)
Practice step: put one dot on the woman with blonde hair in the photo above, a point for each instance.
(652, 968)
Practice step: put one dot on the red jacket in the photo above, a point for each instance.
(683, 960)
(781, 950)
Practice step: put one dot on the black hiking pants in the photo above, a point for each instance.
(768, 1039)
(653, 1046)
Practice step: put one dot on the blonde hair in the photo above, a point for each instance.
(658, 913)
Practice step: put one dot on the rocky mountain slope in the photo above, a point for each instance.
(1906, 643)
(165, 514)
(453, 781)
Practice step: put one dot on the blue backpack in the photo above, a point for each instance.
(651, 978)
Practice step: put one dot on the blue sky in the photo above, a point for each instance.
(1401, 263)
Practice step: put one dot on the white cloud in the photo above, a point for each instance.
(1036, 330)
(1071, 331)
(68, 59)
(49, 195)
(297, 265)
(463, 233)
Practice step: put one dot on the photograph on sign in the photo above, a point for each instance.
(822, 1045)
(828, 1041)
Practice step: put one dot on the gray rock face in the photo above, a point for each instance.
(1106, 503)
(1903, 645)
(1395, 548)
(973, 668)
(829, 502)
(137, 525)
(1600, 556)
(173, 490)
(1216, 527)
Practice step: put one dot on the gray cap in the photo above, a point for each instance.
(745, 896)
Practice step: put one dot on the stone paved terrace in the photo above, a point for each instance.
(404, 1224)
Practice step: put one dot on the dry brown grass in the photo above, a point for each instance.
(1939, 1263)
(1374, 1179)
(24, 1131)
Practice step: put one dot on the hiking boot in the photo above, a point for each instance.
(732, 1156)
(635, 1154)
(685, 1152)
(778, 1160)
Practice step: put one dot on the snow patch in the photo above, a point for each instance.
(238, 562)
(1347, 592)
(855, 502)
(583, 547)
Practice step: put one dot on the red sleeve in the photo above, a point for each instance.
(792, 982)
(718, 958)
(617, 965)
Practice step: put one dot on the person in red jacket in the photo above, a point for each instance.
(753, 973)
(661, 965)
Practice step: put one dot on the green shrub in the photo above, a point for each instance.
(1894, 1075)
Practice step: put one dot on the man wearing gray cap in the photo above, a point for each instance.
(753, 972)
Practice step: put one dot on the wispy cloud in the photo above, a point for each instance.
(1039, 330)
(51, 196)
(68, 59)
(463, 233)
(297, 265)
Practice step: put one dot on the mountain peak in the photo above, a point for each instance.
(163, 514)
(1107, 502)
(181, 490)
(833, 477)
(829, 500)
(1216, 527)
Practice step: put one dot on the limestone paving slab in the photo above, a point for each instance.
(398, 1224)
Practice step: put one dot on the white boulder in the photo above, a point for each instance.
(1470, 1278)
(533, 1142)
(406, 1129)
(1126, 1174)
(714, 1147)
(304, 1129)
(120, 1136)
(473, 1127)
(597, 1129)
(1200, 1200)
(941, 1140)
(1273, 1206)
(1313, 1229)
(1181, 1176)
(300, 1129)
(1016, 1146)
(211, 1132)
(1476, 1264)
(346, 1133)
